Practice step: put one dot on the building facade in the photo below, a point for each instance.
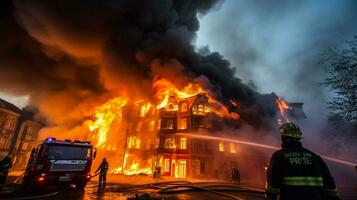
(9, 118)
(19, 133)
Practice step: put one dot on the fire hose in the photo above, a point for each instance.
(92, 176)
(170, 187)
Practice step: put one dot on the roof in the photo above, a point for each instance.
(9, 106)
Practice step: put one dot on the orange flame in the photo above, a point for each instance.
(165, 89)
(167, 95)
(283, 107)
(105, 115)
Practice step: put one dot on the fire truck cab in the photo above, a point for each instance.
(59, 163)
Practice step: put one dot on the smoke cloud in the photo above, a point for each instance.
(71, 56)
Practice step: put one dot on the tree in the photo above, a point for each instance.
(341, 66)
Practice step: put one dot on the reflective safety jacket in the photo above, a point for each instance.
(297, 173)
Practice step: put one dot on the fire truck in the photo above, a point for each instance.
(59, 163)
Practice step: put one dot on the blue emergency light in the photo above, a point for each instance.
(50, 139)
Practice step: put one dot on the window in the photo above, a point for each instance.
(4, 142)
(67, 153)
(134, 142)
(183, 143)
(221, 146)
(198, 109)
(159, 124)
(138, 126)
(170, 124)
(167, 165)
(183, 107)
(29, 130)
(232, 148)
(9, 125)
(170, 143)
(137, 143)
(152, 125)
(183, 123)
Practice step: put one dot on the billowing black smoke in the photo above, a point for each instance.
(67, 55)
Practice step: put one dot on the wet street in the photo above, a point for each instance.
(123, 188)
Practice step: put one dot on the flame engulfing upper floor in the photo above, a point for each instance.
(191, 99)
(120, 115)
(135, 129)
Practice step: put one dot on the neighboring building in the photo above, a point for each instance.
(18, 133)
(27, 139)
(9, 117)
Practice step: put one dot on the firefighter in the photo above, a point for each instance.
(235, 175)
(102, 169)
(5, 165)
(297, 173)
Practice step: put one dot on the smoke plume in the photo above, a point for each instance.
(70, 56)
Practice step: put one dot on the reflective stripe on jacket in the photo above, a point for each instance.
(297, 173)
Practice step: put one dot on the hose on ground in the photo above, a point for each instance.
(193, 187)
(38, 196)
(18, 178)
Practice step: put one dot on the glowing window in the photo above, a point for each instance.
(200, 108)
(183, 123)
(134, 142)
(170, 143)
(131, 142)
(138, 126)
(152, 125)
(137, 143)
(170, 124)
(232, 148)
(183, 143)
(221, 146)
(184, 107)
(167, 165)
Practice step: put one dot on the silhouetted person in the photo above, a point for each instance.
(235, 175)
(157, 172)
(5, 165)
(295, 172)
(103, 169)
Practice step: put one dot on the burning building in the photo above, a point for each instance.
(141, 136)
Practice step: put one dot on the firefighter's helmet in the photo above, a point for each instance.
(290, 130)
